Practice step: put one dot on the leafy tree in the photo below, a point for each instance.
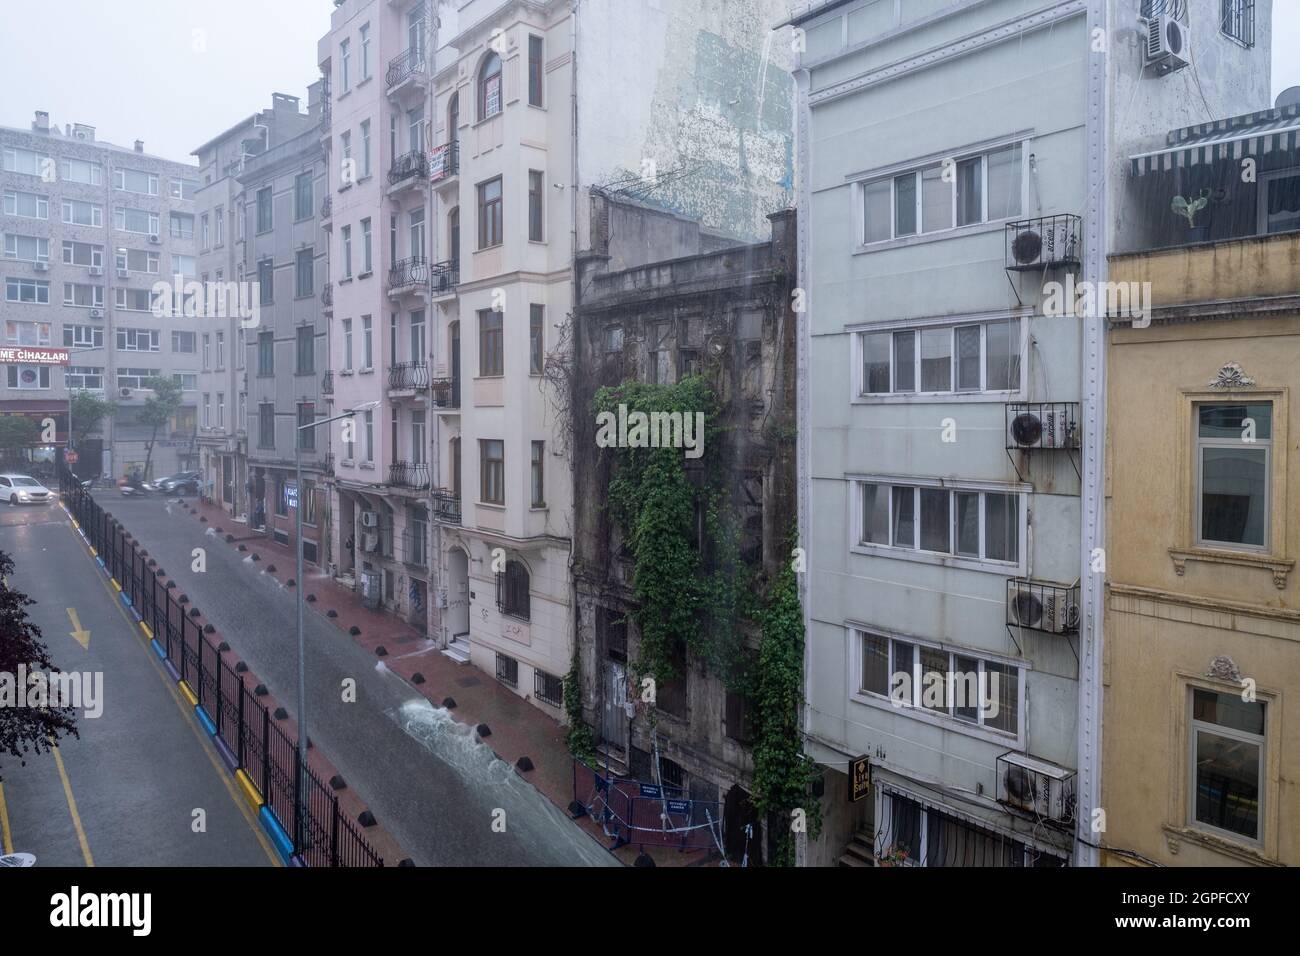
(26, 730)
(17, 433)
(158, 409)
(88, 410)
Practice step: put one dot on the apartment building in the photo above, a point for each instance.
(235, 234)
(1201, 617)
(962, 173)
(463, 141)
(285, 379)
(89, 229)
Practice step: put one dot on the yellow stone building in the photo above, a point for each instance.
(1201, 673)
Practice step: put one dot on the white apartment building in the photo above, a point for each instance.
(89, 228)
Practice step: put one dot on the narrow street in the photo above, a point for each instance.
(433, 786)
(128, 791)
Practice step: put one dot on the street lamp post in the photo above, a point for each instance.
(300, 823)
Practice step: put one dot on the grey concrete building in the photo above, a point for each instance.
(227, 219)
(89, 229)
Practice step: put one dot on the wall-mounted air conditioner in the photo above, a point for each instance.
(1166, 43)
(1037, 787)
(370, 519)
(124, 392)
(96, 313)
(96, 270)
(154, 238)
(1043, 243)
(41, 266)
(1041, 606)
(1042, 425)
(370, 542)
(123, 274)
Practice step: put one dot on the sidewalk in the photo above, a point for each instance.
(518, 729)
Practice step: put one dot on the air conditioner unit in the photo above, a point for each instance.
(96, 270)
(1039, 243)
(96, 313)
(154, 238)
(1037, 787)
(1043, 607)
(370, 542)
(41, 266)
(370, 519)
(124, 392)
(1042, 426)
(123, 274)
(1166, 44)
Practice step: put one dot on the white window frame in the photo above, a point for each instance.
(19, 282)
(96, 295)
(119, 221)
(44, 333)
(96, 336)
(10, 160)
(41, 243)
(96, 214)
(42, 372)
(950, 559)
(82, 372)
(1199, 444)
(1231, 733)
(856, 631)
(127, 338)
(11, 204)
(119, 181)
(96, 172)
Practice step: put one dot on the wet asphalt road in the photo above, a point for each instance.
(125, 793)
(428, 782)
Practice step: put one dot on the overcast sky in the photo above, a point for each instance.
(176, 73)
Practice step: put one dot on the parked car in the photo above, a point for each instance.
(179, 483)
(24, 490)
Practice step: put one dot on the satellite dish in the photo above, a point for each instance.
(1288, 97)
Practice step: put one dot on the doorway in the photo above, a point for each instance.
(613, 713)
(458, 596)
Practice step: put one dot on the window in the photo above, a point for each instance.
(365, 149)
(347, 252)
(27, 290)
(489, 87)
(307, 501)
(266, 425)
(959, 192)
(265, 213)
(539, 474)
(140, 221)
(25, 161)
(367, 342)
(548, 688)
(931, 837)
(951, 684)
(207, 351)
(306, 416)
(187, 381)
(419, 351)
(135, 181)
(366, 253)
(266, 354)
(419, 438)
(536, 65)
(303, 199)
(80, 171)
(134, 260)
(492, 469)
(221, 350)
(83, 377)
(265, 282)
(183, 342)
(1226, 759)
(138, 340)
(491, 347)
(347, 345)
(1279, 200)
(28, 376)
(186, 266)
(27, 205)
(27, 333)
(1233, 470)
(536, 341)
(183, 188)
(365, 51)
(83, 296)
(221, 409)
(219, 219)
(133, 300)
(27, 248)
(535, 188)
(304, 273)
(614, 338)
(1238, 20)
(489, 214)
(417, 234)
(182, 226)
(306, 350)
(369, 424)
(982, 357)
(507, 670)
(980, 525)
(512, 590)
(345, 65)
(83, 337)
(135, 377)
(76, 213)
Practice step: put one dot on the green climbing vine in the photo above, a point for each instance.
(582, 743)
(782, 774)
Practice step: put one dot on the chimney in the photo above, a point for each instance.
(42, 122)
(139, 146)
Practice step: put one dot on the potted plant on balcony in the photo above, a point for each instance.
(1188, 208)
(895, 855)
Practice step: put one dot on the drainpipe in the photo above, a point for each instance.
(433, 555)
(573, 337)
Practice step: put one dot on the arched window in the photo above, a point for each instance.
(512, 590)
(453, 118)
(489, 87)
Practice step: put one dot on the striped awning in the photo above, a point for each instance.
(1252, 135)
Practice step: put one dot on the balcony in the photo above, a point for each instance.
(327, 209)
(327, 297)
(408, 275)
(327, 384)
(446, 507)
(407, 71)
(409, 474)
(444, 164)
(408, 377)
(444, 276)
(446, 393)
(409, 170)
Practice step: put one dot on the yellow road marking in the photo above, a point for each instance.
(201, 735)
(72, 805)
(80, 633)
(6, 837)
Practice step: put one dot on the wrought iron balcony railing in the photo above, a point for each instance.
(406, 64)
(444, 162)
(327, 207)
(408, 474)
(446, 392)
(327, 383)
(413, 270)
(409, 376)
(445, 276)
(327, 294)
(414, 164)
(446, 507)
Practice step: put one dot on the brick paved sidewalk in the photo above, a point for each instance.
(517, 729)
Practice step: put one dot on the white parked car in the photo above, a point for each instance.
(24, 490)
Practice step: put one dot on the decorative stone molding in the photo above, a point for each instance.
(1279, 568)
(1231, 375)
(1224, 668)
